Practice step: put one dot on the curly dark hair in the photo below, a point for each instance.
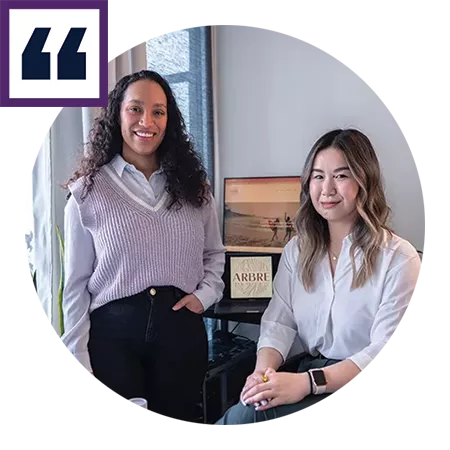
(186, 175)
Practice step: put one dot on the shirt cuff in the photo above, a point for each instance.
(84, 359)
(207, 296)
(278, 345)
(361, 359)
(276, 335)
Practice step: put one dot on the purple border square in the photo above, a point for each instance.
(6, 6)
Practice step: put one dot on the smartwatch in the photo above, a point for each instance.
(318, 381)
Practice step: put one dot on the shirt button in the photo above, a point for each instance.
(152, 292)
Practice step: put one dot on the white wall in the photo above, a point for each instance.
(277, 95)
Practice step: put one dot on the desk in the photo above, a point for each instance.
(231, 359)
(252, 318)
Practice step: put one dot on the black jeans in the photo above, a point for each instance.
(140, 347)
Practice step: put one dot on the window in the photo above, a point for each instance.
(183, 58)
(28, 222)
(28, 215)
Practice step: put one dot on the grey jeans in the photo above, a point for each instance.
(240, 414)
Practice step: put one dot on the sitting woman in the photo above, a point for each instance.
(343, 283)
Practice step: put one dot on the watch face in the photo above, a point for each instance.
(319, 377)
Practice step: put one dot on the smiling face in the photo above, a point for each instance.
(143, 119)
(332, 187)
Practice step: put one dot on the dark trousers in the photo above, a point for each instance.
(140, 347)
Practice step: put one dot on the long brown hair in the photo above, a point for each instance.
(186, 175)
(370, 228)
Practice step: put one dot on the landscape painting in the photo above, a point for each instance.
(259, 213)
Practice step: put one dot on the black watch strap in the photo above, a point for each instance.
(310, 382)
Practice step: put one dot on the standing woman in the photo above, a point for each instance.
(143, 252)
(342, 285)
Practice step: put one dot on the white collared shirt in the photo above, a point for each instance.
(332, 319)
(137, 183)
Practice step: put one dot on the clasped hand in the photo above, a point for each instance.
(281, 388)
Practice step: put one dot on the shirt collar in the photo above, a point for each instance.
(348, 240)
(119, 165)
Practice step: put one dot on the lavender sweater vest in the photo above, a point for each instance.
(137, 245)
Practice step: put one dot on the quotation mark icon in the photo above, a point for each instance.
(71, 63)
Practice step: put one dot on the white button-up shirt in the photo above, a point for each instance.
(332, 319)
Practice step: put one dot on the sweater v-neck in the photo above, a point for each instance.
(123, 189)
